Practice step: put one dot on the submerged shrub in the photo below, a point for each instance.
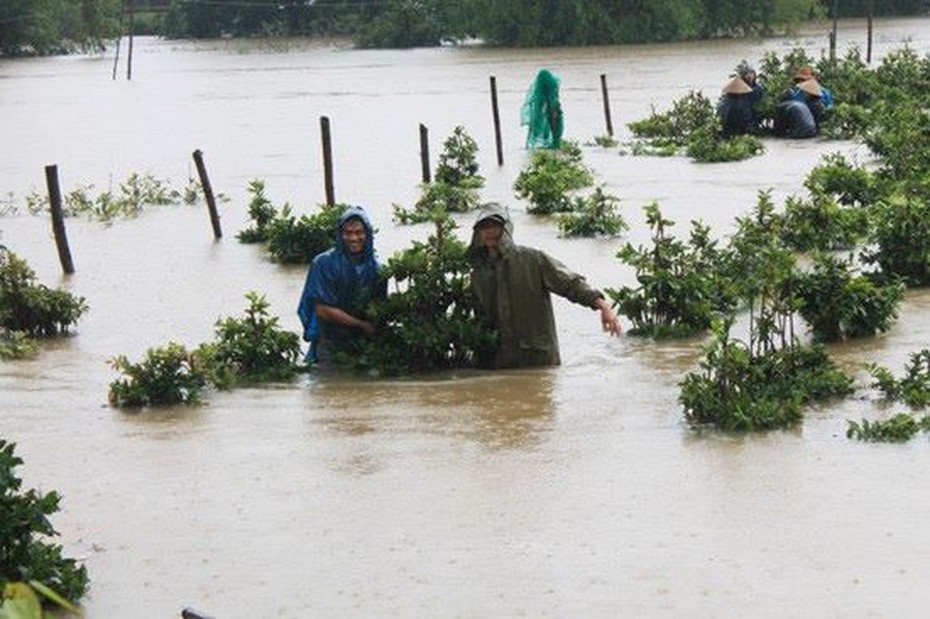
(261, 212)
(592, 215)
(839, 304)
(31, 307)
(820, 223)
(250, 349)
(899, 428)
(16, 345)
(166, 376)
(428, 322)
(679, 290)
(899, 240)
(26, 551)
(550, 176)
(913, 388)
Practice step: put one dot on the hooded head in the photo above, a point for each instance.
(803, 74)
(746, 72)
(492, 228)
(355, 237)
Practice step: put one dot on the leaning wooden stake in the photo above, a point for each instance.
(868, 47)
(497, 122)
(208, 194)
(58, 219)
(606, 97)
(327, 161)
(132, 27)
(424, 153)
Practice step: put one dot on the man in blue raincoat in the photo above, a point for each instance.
(340, 284)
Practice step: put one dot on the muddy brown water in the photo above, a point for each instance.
(575, 491)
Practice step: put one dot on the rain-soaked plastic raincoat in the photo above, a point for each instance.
(512, 293)
(336, 279)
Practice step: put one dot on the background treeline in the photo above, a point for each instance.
(58, 26)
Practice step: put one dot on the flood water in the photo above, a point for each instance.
(575, 491)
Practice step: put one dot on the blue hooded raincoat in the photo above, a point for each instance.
(338, 279)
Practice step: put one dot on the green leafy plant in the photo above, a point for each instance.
(899, 239)
(839, 304)
(820, 223)
(913, 388)
(706, 146)
(679, 291)
(456, 183)
(134, 193)
(250, 349)
(428, 321)
(30, 307)
(261, 213)
(687, 115)
(550, 176)
(16, 345)
(27, 554)
(899, 428)
(167, 375)
(592, 215)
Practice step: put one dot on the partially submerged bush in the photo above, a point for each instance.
(30, 307)
(288, 238)
(16, 345)
(913, 388)
(899, 428)
(455, 185)
(550, 177)
(26, 551)
(428, 322)
(166, 376)
(592, 215)
(679, 291)
(839, 303)
(250, 349)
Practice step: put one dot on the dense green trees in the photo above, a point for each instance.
(40, 27)
(58, 26)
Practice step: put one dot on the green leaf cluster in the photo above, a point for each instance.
(899, 428)
(288, 238)
(913, 388)
(30, 307)
(678, 290)
(246, 350)
(428, 322)
(592, 215)
(26, 550)
(550, 176)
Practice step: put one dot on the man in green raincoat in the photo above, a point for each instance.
(512, 286)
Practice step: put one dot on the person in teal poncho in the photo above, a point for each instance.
(542, 113)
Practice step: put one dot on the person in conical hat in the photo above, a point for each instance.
(737, 105)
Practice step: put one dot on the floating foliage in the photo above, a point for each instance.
(592, 215)
(31, 307)
(167, 375)
(428, 322)
(550, 176)
(899, 428)
(26, 550)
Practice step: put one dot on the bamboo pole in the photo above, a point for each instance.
(58, 219)
(208, 194)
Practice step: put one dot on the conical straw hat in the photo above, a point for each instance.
(811, 87)
(736, 86)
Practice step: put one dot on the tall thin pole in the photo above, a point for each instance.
(497, 122)
(424, 153)
(833, 34)
(58, 219)
(606, 97)
(327, 161)
(122, 13)
(208, 194)
(868, 47)
(132, 28)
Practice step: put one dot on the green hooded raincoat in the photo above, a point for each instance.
(512, 292)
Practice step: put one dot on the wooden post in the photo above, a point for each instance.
(118, 39)
(497, 122)
(58, 219)
(606, 97)
(833, 33)
(132, 27)
(208, 194)
(327, 161)
(424, 153)
(868, 47)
